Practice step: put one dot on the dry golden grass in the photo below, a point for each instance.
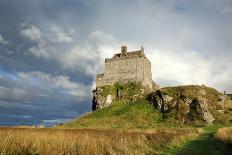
(224, 135)
(87, 141)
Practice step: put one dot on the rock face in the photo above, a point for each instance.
(203, 110)
(99, 101)
(105, 95)
(190, 103)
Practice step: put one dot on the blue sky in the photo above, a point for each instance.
(51, 50)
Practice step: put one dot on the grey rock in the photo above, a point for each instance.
(166, 98)
(99, 101)
(204, 111)
(108, 100)
(160, 101)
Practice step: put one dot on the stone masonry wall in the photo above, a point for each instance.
(125, 70)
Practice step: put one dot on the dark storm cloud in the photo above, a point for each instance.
(50, 51)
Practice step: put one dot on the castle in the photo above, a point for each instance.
(126, 67)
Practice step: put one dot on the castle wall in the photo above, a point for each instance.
(124, 70)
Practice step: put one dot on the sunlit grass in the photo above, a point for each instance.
(224, 135)
(123, 115)
(86, 141)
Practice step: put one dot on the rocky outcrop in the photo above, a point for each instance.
(203, 110)
(100, 101)
(131, 91)
(193, 104)
(190, 103)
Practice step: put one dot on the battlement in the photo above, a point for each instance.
(126, 67)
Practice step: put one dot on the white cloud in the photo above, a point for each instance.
(91, 56)
(60, 82)
(47, 43)
(182, 67)
(60, 35)
(31, 32)
(54, 46)
(190, 67)
(40, 51)
(176, 66)
(2, 40)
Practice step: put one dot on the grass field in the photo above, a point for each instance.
(87, 141)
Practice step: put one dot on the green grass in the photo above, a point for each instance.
(192, 91)
(141, 114)
(203, 144)
(120, 115)
(124, 115)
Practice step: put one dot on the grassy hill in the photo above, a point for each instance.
(120, 115)
(140, 113)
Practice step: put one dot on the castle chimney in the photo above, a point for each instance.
(142, 49)
(141, 52)
(124, 50)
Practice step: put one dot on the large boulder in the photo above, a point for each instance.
(192, 103)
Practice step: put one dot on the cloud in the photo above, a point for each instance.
(12, 93)
(82, 58)
(175, 66)
(91, 55)
(60, 35)
(46, 43)
(60, 82)
(225, 10)
(31, 32)
(34, 85)
(182, 68)
(2, 40)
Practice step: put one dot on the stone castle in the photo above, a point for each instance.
(126, 67)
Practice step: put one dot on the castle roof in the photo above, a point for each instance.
(132, 54)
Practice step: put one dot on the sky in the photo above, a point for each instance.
(51, 50)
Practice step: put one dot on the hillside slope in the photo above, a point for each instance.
(120, 115)
(171, 106)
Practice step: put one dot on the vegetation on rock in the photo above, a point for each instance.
(118, 91)
(193, 104)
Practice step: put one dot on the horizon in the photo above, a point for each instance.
(51, 51)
